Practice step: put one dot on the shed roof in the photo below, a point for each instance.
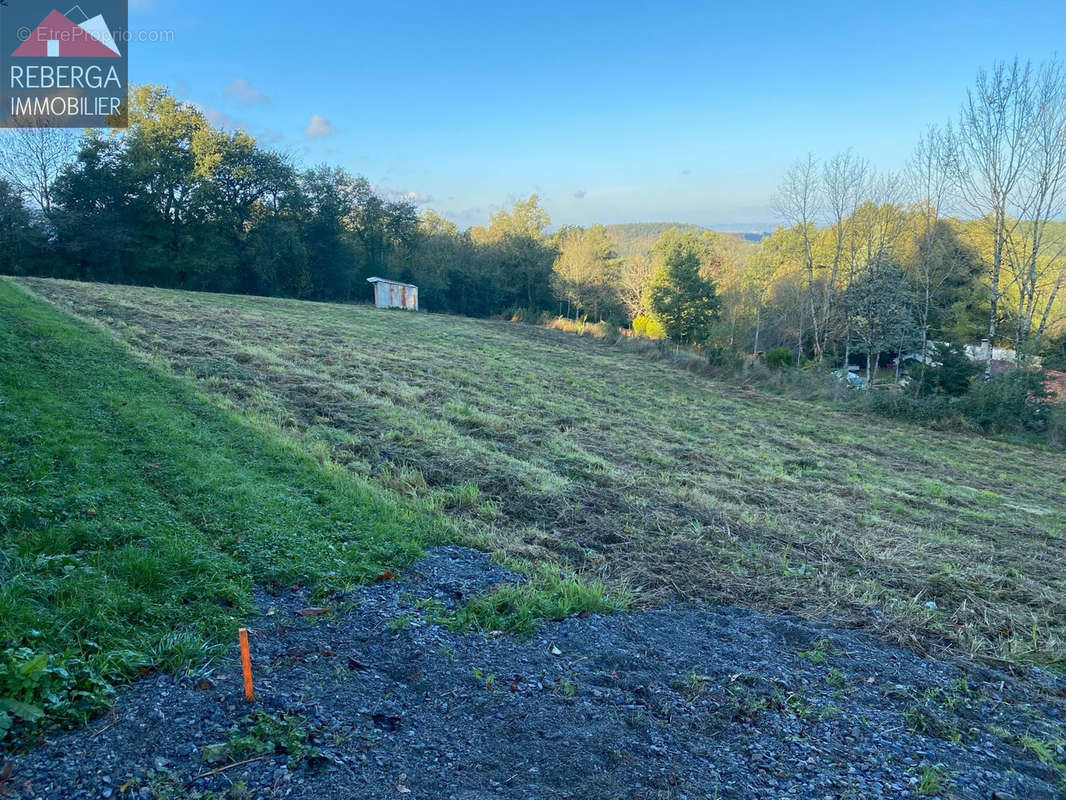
(390, 280)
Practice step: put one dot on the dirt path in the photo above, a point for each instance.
(695, 702)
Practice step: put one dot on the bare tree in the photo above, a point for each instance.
(32, 157)
(991, 154)
(929, 175)
(799, 203)
(845, 179)
(1034, 255)
(636, 271)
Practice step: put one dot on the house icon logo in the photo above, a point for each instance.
(58, 36)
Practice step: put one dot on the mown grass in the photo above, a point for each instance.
(542, 444)
(135, 517)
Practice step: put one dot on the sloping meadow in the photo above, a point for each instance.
(544, 444)
(135, 518)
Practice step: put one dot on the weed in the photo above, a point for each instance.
(931, 781)
(692, 686)
(923, 721)
(1050, 752)
(818, 653)
(486, 680)
(262, 734)
(835, 678)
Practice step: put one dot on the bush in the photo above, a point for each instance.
(779, 358)
(582, 327)
(1054, 353)
(951, 377)
(935, 410)
(723, 359)
(648, 327)
(1008, 403)
(528, 315)
(1056, 425)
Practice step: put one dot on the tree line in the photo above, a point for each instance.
(965, 244)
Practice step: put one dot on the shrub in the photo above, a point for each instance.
(1008, 403)
(35, 684)
(933, 410)
(951, 377)
(1054, 353)
(723, 359)
(779, 358)
(648, 327)
(582, 327)
(529, 315)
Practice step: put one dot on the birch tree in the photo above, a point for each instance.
(991, 153)
(31, 158)
(1034, 253)
(929, 174)
(845, 181)
(799, 203)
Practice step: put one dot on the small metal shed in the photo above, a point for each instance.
(394, 294)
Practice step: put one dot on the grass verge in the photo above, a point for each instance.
(135, 517)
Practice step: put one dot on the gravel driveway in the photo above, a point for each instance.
(377, 701)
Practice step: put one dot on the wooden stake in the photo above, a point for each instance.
(246, 664)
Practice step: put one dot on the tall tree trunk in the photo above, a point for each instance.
(997, 265)
(758, 322)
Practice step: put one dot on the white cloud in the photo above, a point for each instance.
(396, 195)
(244, 93)
(220, 119)
(227, 122)
(319, 128)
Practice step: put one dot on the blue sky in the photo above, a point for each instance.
(612, 112)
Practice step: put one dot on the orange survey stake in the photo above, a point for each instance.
(246, 664)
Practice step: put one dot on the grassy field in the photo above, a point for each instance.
(135, 517)
(542, 444)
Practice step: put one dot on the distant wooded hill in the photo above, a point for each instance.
(638, 237)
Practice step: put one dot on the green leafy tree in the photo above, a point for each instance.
(516, 257)
(245, 187)
(684, 301)
(952, 372)
(20, 242)
(444, 267)
(586, 272)
(880, 315)
(323, 211)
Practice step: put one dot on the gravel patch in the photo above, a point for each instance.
(685, 702)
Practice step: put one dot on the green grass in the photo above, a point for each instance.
(545, 445)
(932, 781)
(135, 517)
(514, 608)
(1050, 752)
